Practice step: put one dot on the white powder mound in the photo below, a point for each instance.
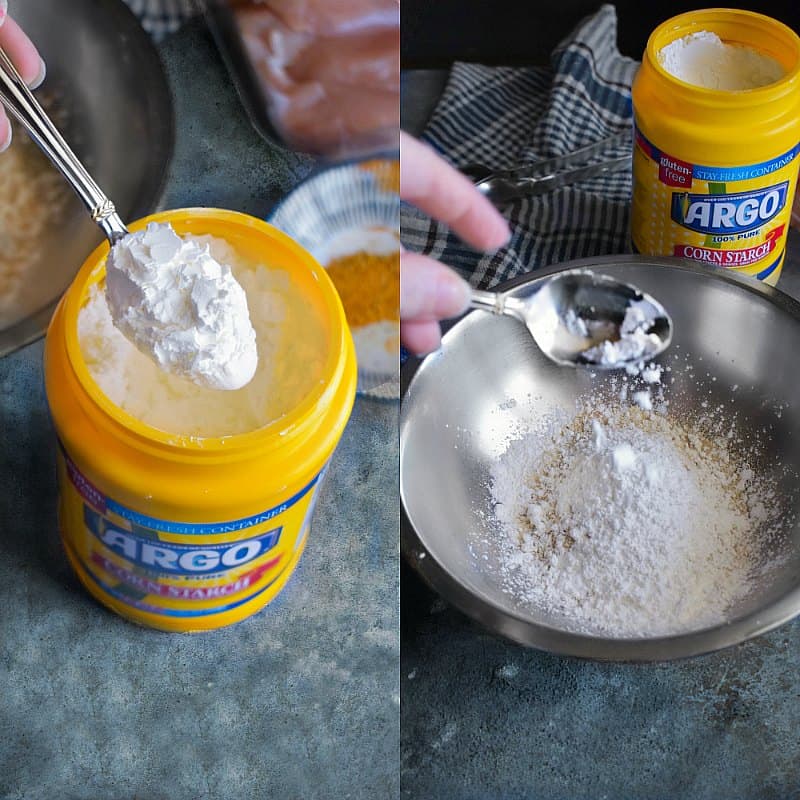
(643, 400)
(292, 347)
(627, 523)
(635, 343)
(181, 307)
(652, 373)
(704, 60)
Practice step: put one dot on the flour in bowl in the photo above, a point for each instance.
(181, 307)
(627, 522)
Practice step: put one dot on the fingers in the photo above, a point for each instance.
(430, 291)
(420, 338)
(22, 52)
(431, 184)
(27, 60)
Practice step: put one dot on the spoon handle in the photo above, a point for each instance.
(488, 301)
(548, 166)
(25, 108)
(498, 303)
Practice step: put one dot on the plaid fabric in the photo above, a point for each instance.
(500, 115)
(160, 17)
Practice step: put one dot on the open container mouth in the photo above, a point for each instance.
(737, 27)
(259, 243)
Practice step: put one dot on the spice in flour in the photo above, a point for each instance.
(626, 522)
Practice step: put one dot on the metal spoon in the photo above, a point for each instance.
(24, 107)
(576, 311)
(537, 177)
(501, 190)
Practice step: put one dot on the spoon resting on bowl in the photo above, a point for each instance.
(580, 317)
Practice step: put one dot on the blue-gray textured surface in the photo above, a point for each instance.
(485, 719)
(300, 701)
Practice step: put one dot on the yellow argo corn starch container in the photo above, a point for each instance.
(183, 533)
(715, 172)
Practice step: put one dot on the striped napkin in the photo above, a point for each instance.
(161, 17)
(501, 115)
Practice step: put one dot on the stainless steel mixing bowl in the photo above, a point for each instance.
(103, 69)
(460, 405)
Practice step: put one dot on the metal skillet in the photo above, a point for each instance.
(460, 405)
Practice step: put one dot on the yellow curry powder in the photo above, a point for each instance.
(369, 286)
(386, 174)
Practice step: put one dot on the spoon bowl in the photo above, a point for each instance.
(575, 312)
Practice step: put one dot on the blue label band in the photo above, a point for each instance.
(205, 528)
(767, 271)
(152, 525)
(748, 172)
(170, 558)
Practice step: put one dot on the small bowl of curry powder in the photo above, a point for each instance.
(348, 217)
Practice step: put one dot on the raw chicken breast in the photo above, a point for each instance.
(330, 71)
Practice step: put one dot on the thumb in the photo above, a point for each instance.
(430, 290)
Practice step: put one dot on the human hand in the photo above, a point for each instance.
(26, 59)
(430, 291)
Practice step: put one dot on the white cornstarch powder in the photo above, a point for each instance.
(704, 60)
(635, 343)
(181, 307)
(291, 344)
(628, 523)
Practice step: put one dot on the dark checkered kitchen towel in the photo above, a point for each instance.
(160, 17)
(501, 115)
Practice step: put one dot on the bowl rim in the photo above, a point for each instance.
(521, 629)
(150, 194)
(325, 167)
